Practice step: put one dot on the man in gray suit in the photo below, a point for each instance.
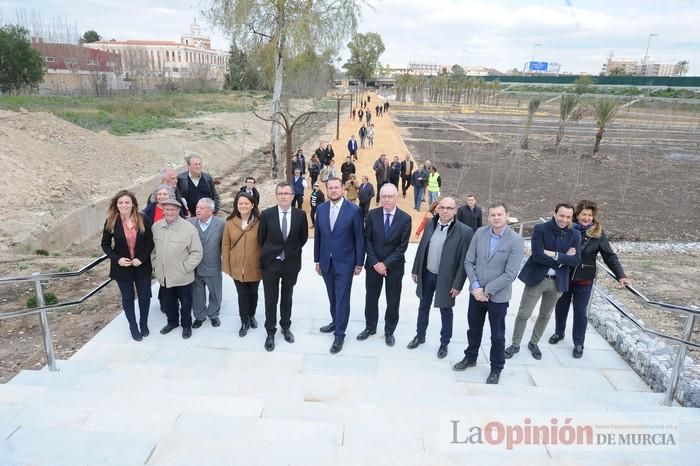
(492, 264)
(208, 273)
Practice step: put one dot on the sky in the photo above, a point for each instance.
(579, 35)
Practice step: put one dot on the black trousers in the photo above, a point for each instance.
(247, 298)
(405, 183)
(364, 207)
(171, 296)
(298, 201)
(373, 283)
(275, 274)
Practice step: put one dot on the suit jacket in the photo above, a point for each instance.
(345, 244)
(210, 265)
(366, 192)
(389, 249)
(406, 168)
(494, 273)
(270, 237)
(115, 246)
(352, 145)
(451, 273)
(184, 187)
(256, 194)
(549, 236)
(472, 219)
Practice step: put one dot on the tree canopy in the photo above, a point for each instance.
(365, 50)
(20, 65)
(90, 36)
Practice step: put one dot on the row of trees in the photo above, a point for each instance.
(447, 88)
(573, 108)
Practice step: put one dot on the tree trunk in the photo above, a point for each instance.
(288, 155)
(275, 137)
(560, 134)
(598, 138)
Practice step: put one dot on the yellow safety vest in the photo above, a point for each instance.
(433, 185)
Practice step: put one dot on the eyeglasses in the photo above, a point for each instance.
(442, 207)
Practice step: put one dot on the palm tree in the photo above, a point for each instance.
(570, 109)
(682, 67)
(605, 111)
(532, 107)
(403, 82)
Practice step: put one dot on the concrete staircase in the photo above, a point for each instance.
(217, 399)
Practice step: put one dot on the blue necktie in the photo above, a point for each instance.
(387, 225)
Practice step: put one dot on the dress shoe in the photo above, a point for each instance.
(328, 328)
(167, 329)
(390, 340)
(417, 340)
(270, 343)
(215, 322)
(464, 364)
(493, 378)
(288, 336)
(337, 345)
(511, 350)
(244, 329)
(365, 334)
(578, 351)
(197, 323)
(442, 352)
(556, 338)
(253, 322)
(144, 330)
(535, 350)
(135, 334)
(186, 332)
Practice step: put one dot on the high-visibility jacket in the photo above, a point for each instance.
(434, 182)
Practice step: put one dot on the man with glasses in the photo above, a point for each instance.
(387, 231)
(282, 233)
(438, 270)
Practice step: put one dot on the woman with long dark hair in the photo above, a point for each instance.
(240, 257)
(128, 241)
(593, 241)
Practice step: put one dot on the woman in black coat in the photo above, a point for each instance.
(593, 241)
(128, 241)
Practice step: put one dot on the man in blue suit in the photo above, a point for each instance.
(339, 252)
(387, 231)
(556, 246)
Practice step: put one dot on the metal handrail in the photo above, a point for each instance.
(42, 309)
(683, 343)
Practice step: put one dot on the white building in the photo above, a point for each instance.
(192, 57)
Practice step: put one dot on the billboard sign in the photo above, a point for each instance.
(537, 66)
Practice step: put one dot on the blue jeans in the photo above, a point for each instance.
(432, 196)
(580, 294)
(426, 300)
(417, 196)
(476, 316)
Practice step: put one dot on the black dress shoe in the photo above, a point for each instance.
(535, 350)
(337, 345)
(390, 340)
(244, 329)
(135, 334)
(186, 332)
(144, 330)
(288, 336)
(417, 340)
(253, 322)
(197, 323)
(270, 343)
(365, 334)
(578, 351)
(493, 378)
(442, 351)
(511, 350)
(464, 364)
(215, 322)
(167, 329)
(556, 338)
(328, 328)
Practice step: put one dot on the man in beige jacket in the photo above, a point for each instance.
(177, 253)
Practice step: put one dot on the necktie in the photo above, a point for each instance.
(284, 232)
(442, 227)
(387, 224)
(334, 215)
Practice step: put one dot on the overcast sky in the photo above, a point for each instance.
(496, 33)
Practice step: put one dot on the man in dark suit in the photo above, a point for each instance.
(283, 231)
(250, 188)
(406, 173)
(365, 195)
(207, 275)
(438, 270)
(387, 231)
(339, 252)
(556, 246)
(470, 214)
(195, 184)
(352, 147)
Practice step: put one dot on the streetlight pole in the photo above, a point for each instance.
(646, 54)
(534, 47)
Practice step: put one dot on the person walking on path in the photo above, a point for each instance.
(406, 173)
(365, 195)
(371, 133)
(352, 147)
(434, 184)
(418, 180)
(363, 136)
(381, 173)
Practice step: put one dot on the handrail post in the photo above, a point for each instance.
(45, 329)
(520, 230)
(680, 359)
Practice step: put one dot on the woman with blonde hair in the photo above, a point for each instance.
(240, 257)
(128, 241)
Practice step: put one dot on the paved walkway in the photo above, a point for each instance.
(218, 399)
